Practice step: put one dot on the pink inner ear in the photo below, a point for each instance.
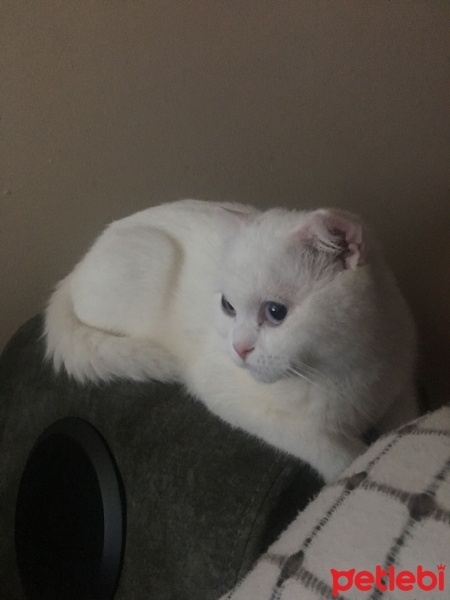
(336, 233)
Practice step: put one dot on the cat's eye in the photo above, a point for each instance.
(227, 308)
(275, 312)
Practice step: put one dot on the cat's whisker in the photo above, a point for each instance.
(298, 373)
(306, 370)
(316, 378)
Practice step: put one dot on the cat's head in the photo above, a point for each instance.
(279, 278)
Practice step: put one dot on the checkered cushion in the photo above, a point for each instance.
(390, 508)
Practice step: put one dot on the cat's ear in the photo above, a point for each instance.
(336, 233)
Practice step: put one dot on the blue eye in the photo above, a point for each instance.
(227, 308)
(275, 312)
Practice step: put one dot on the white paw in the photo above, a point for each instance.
(339, 457)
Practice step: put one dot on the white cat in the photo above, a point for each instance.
(286, 324)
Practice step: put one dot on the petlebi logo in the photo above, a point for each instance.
(389, 579)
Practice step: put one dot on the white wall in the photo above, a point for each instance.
(108, 107)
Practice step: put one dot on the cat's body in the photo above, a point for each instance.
(286, 324)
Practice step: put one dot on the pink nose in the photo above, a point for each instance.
(243, 350)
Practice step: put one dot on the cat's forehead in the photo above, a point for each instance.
(267, 235)
(257, 262)
(266, 239)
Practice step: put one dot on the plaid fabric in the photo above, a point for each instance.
(390, 508)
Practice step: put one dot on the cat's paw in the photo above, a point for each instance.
(339, 457)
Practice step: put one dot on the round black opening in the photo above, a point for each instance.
(70, 516)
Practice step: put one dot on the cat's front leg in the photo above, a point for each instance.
(282, 414)
(297, 435)
(328, 453)
(336, 455)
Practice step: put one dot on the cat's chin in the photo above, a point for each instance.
(264, 376)
(258, 374)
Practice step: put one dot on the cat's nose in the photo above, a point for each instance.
(243, 350)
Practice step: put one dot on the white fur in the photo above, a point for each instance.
(145, 303)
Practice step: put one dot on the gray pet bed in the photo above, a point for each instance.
(201, 501)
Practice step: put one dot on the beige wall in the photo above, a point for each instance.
(109, 107)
